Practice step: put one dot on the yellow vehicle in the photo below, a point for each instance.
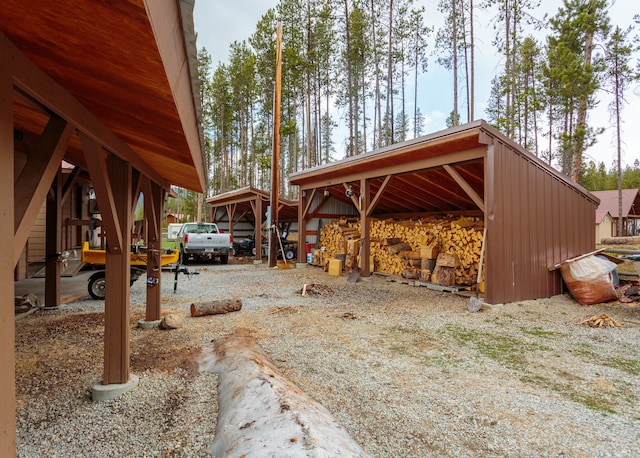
(138, 255)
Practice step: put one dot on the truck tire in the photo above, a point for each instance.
(224, 259)
(184, 257)
(96, 285)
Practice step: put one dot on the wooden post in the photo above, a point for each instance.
(53, 243)
(7, 263)
(117, 275)
(257, 236)
(302, 228)
(153, 211)
(275, 165)
(365, 227)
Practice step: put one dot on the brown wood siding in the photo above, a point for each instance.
(37, 242)
(534, 220)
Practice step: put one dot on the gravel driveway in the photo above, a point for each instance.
(408, 371)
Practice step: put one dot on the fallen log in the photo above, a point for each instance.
(216, 307)
(632, 240)
(262, 413)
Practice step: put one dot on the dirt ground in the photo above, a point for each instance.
(359, 335)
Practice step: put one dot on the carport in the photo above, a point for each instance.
(111, 88)
(534, 216)
(249, 206)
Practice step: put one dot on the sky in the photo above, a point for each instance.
(218, 24)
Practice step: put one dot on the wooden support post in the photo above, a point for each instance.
(53, 245)
(7, 262)
(302, 228)
(365, 227)
(153, 211)
(258, 229)
(117, 275)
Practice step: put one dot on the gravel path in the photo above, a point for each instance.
(408, 371)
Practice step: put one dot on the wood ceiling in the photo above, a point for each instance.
(126, 62)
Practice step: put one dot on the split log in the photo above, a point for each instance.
(216, 307)
(398, 247)
(632, 240)
(262, 413)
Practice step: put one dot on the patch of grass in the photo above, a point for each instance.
(508, 351)
(631, 366)
(598, 404)
(566, 389)
(628, 365)
(410, 341)
(538, 331)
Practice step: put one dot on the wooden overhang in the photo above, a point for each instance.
(125, 62)
(112, 88)
(250, 204)
(534, 215)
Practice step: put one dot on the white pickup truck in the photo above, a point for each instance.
(203, 241)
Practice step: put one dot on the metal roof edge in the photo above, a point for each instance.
(521, 150)
(396, 148)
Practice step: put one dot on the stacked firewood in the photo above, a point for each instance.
(602, 321)
(402, 247)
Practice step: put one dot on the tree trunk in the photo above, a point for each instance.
(262, 413)
(218, 307)
(582, 115)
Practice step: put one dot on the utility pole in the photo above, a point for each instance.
(275, 161)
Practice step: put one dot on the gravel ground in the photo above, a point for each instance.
(408, 371)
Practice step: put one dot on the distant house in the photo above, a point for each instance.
(630, 210)
(177, 218)
(604, 225)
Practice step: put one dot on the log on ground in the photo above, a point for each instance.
(631, 240)
(262, 413)
(216, 307)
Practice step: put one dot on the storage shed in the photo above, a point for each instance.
(242, 212)
(534, 216)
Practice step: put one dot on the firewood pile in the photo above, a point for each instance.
(406, 247)
(314, 289)
(602, 321)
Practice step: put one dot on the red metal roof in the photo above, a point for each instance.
(609, 202)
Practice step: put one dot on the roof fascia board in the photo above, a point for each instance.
(387, 153)
(167, 22)
(32, 81)
(413, 166)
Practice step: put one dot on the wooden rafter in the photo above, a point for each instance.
(465, 186)
(96, 162)
(36, 177)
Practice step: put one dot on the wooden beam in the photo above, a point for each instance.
(68, 184)
(97, 164)
(117, 275)
(7, 262)
(32, 81)
(465, 186)
(378, 195)
(353, 197)
(257, 237)
(309, 201)
(36, 177)
(153, 210)
(320, 181)
(53, 243)
(365, 227)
